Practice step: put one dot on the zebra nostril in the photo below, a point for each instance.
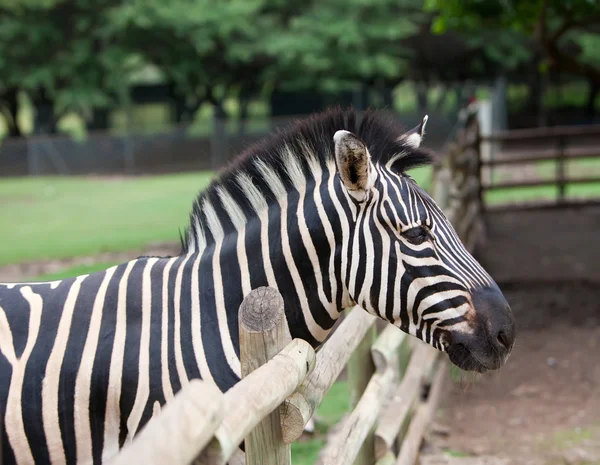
(503, 339)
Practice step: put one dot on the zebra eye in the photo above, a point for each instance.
(416, 235)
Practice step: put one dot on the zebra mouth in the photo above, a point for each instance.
(464, 359)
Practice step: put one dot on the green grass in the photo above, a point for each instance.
(58, 217)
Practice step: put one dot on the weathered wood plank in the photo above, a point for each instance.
(360, 371)
(407, 393)
(331, 359)
(385, 349)
(343, 448)
(180, 430)
(418, 426)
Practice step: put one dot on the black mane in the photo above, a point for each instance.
(378, 130)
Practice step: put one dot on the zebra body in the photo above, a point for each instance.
(328, 218)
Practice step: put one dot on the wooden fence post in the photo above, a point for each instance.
(263, 334)
(360, 370)
(560, 168)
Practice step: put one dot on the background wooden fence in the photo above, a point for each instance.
(526, 148)
(395, 380)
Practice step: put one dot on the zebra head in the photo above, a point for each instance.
(406, 262)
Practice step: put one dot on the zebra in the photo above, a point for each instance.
(323, 211)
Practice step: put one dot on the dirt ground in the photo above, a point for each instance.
(30, 270)
(543, 406)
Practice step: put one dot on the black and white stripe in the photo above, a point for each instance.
(86, 362)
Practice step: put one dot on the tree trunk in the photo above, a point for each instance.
(387, 97)
(590, 108)
(11, 98)
(179, 110)
(243, 122)
(100, 119)
(45, 121)
(219, 153)
(422, 89)
(536, 83)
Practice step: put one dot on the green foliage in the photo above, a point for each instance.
(555, 25)
(85, 54)
(340, 42)
(63, 47)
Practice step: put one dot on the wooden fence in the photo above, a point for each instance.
(395, 379)
(517, 148)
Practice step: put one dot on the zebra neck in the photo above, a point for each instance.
(296, 246)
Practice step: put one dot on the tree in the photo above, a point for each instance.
(62, 53)
(208, 50)
(338, 43)
(564, 32)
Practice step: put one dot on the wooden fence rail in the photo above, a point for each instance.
(559, 144)
(284, 380)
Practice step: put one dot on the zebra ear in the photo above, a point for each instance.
(415, 135)
(354, 164)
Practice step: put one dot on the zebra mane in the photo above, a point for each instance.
(274, 165)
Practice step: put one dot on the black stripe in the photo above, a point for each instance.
(254, 252)
(232, 285)
(432, 289)
(222, 374)
(336, 226)
(318, 235)
(392, 277)
(173, 374)
(361, 269)
(378, 260)
(155, 373)
(131, 356)
(185, 318)
(453, 302)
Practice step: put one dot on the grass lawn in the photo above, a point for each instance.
(61, 217)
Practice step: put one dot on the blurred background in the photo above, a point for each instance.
(114, 114)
